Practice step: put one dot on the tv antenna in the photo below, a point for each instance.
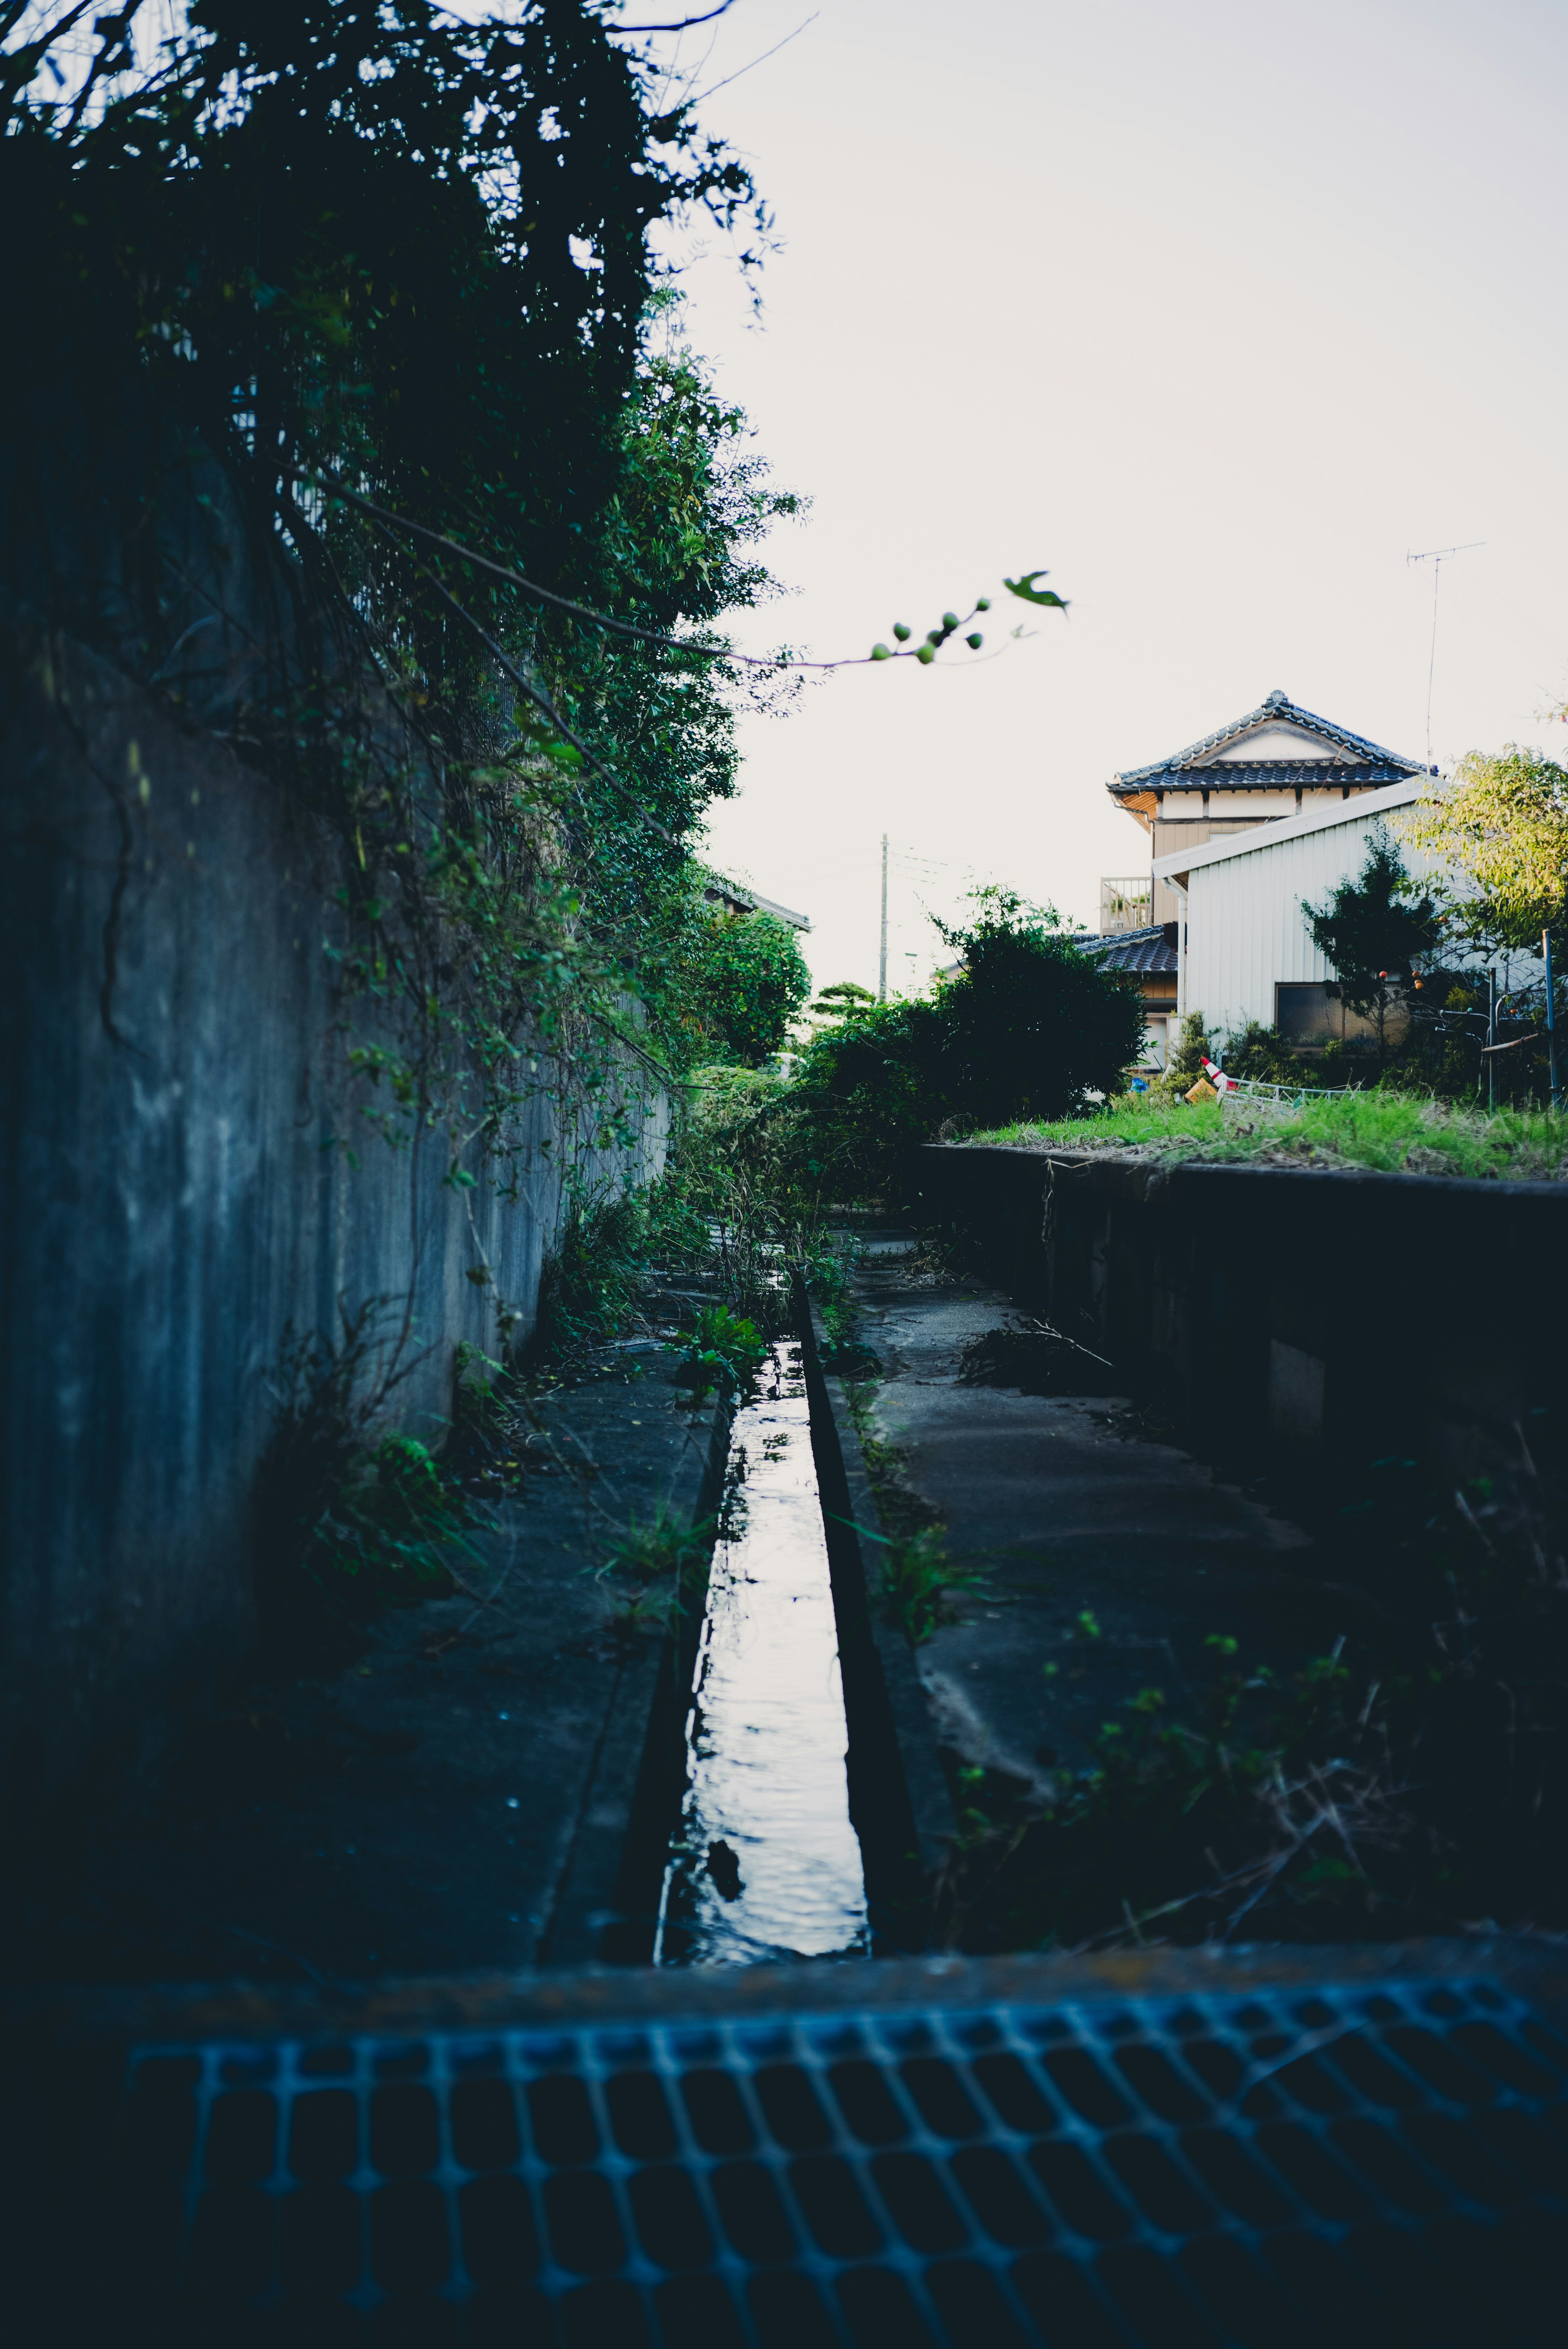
(1437, 556)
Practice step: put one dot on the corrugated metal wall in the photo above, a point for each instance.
(1245, 930)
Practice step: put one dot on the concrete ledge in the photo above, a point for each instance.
(899, 1801)
(1292, 1316)
(34, 2021)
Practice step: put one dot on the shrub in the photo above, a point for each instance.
(751, 980)
(1028, 1028)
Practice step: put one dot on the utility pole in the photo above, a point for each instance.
(1491, 1040)
(1551, 1020)
(1437, 556)
(881, 971)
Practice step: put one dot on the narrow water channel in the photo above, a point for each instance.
(765, 1862)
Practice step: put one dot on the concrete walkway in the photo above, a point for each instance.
(1108, 1557)
(458, 1799)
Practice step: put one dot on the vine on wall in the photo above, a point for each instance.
(387, 278)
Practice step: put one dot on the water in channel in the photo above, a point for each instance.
(765, 1862)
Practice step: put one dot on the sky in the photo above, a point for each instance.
(1217, 313)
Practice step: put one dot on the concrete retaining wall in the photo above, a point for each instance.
(176, 1197)
(1308, 1318)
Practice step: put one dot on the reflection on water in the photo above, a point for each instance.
(766, 1863)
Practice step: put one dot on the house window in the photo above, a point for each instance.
(1309, 1014)
(1313, 1014)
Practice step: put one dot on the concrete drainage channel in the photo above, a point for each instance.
(765, 1863)
(1269, 2148)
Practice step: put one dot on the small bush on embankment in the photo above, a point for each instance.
(1393, 1132)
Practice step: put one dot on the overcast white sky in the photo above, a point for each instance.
(1218, 311)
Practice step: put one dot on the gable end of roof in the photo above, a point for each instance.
(1280, 710)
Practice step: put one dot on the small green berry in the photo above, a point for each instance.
(974, 642)
(950, 621)
(901, 631)
(925, 652)
(933, 635)
(882, 652)
(981, 602)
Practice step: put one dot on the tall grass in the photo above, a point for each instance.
(1395, 1133)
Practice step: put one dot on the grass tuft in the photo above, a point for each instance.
(1398, 1133)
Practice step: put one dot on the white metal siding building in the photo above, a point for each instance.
(1243, 935)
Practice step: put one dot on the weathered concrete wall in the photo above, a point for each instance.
(1307, 1318)
(175, 1196)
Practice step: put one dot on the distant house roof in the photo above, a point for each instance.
(1140, 950)
(1263, 838)
(735, 900)
(1292, 735)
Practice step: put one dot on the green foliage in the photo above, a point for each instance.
(722, 1349)
(1262, 1055)
(594, 1279)
(724, 1210)
(748, 980)
(1372, 932)
(1029, 1024)
(841, 997)
(315, 256)
(666, 1560)
(388, 1528)
(919, 1582)
(660, 1546)
(862, 1096)
(349, 1520)
(828, 1258)
(1500, 831)
(735, 1163)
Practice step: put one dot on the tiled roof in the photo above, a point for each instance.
(1252, 775)
(1145, 950)
(1281, 709)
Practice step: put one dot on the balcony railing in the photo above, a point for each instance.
(1125, 904)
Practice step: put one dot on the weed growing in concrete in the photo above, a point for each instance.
(346, 1523)
(920, 1582)
(827, 1261)
(667, 1559)
(724, 1350)
(389, 1527)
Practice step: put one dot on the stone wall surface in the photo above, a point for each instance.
(1298, 1316)
(179, 1195)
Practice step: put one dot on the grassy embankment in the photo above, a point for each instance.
(1397, 1133)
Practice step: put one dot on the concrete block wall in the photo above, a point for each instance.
(1317, 1320)
(177, 1196)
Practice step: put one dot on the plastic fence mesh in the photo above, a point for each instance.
(1384, 2166)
